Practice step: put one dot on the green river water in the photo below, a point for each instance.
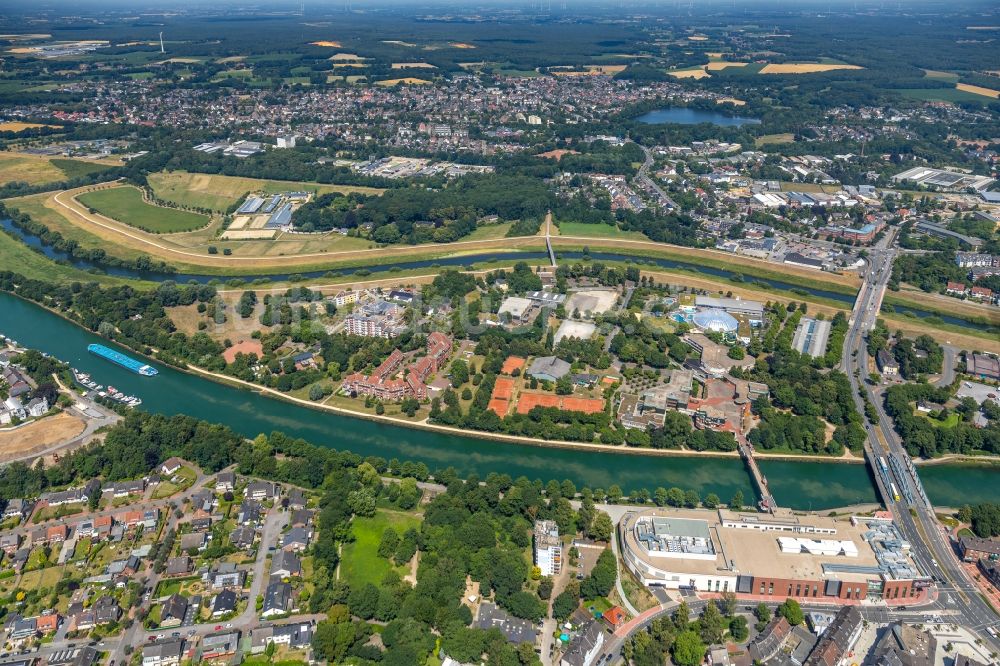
(796, 484)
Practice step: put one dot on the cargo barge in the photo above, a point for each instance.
(138, 367)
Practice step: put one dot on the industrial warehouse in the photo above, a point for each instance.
(263, 216)
(780, 555)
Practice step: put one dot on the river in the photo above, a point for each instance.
(461, 261)
(797, 484)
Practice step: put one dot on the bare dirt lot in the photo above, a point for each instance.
(39, 435)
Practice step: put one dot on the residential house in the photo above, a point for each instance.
(17, 508)
(193, 541)
(243, 537)
(9, 542)
(167, 652)
(286, 564)
(219, 646)
(178, 566)
(227, 579)
(296, 636)
(585, 646)
(887, 365)
(223, 603)
(249, 513)
(225, 482)
(37, 407)
(301, 518)
(277, 599)
(76, 656)
(260, 490)
(47, 622)
(173, 611)
(296, 539)
(171, 465)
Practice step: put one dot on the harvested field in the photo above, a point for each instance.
(15, 126)
(588, 70)
(978, 90)
(731, 100)
(722, 64)
(698, 73)
(36, 169)
(39, 435)
(413, 65)
(804, 68)
(410, 81)
(461, 45)
(326, 43)
(344, 57)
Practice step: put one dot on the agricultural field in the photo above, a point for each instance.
(16, 126)
(957, 94)
(35, 170)
(218, 193)
(125, 204)
(769, 139)
(804, 67)
(360, 562)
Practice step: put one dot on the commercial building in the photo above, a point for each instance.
(982, 366)
(548, 547)
(778, 555)
(752, 309)
(811, 336)
(944, 179)
(548, 368)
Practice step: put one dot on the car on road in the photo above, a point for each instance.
(217, 627)
(176, 634)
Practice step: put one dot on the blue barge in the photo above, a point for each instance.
(138, 367)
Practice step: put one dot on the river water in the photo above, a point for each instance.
(679, 115)
(797, 484)
(464, 260)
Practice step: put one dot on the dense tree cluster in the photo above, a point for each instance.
(923, 438)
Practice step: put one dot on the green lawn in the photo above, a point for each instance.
(950, 422)
(597, 231)
(125, 204)
(942, 94)
(77, 168)
(360, 562)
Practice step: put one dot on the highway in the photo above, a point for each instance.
(932, 548)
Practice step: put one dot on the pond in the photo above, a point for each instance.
(680, 115)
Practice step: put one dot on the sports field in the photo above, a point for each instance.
(126, 205)
(218, 193)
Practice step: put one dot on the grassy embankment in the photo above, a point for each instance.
(38, 169)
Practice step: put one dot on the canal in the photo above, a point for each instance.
(797, 484)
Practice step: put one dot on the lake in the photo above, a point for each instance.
(680, 115)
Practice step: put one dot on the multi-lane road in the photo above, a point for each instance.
(932, 548)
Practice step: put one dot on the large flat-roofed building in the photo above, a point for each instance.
(752, 309)
(780, 556)
(548, 547)
(811, 336)
(982, 366)
(944, 178)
